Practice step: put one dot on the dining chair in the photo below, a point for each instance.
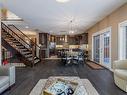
(66, 59)
(79, 58)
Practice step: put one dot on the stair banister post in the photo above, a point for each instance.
(0, 42)
(33, 53)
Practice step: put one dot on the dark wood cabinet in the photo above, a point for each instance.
(52, 38)
(78, 39)
(71, 39)
(60, 40)
(84, 38)
(42, 54)
(43, 39)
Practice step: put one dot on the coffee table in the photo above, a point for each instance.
(80, 90)
(84, 84)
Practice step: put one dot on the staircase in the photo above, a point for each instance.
(15, 40)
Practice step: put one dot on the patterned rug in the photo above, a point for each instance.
(94, 65)
(86, 83)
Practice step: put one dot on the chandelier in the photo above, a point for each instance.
(71, 31)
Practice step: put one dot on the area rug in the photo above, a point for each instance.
(94, 65)
(86, 83)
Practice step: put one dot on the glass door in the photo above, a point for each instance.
(96, 48)
(106, 49)
(102, 48)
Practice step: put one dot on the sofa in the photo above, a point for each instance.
(120, 74)
(7, 77)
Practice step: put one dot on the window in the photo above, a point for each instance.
(122, 40)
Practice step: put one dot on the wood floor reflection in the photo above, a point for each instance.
(26, 78)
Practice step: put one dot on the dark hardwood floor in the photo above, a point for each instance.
(26, 78)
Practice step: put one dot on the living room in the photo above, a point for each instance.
(63, 47)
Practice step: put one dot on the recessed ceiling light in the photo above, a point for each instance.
(27, 27)
(62, 1)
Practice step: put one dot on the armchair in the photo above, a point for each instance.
(7, 77)
(120, 74)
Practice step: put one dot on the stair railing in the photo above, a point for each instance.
(17, 37)
(25, 37)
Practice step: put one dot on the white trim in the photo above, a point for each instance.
(92, 53)
(102, 31)
(121, 39)
(99, 33)
(101, 49)
(111, 48)
(124, 23)
(93, 45)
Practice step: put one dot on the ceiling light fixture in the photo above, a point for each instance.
(71, 31)
(27, 27)
(62, 1)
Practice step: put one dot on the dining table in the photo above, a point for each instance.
(72, 53)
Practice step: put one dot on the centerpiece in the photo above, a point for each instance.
(61, 87)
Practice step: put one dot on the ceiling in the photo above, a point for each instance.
(54, 18)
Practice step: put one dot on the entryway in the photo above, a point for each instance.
(101, 52)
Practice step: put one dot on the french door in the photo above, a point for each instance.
(106, 49)
(102, 48)
(97, 48)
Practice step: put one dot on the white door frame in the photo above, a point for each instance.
(99, 33)
(93, 45)
(121, 39)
